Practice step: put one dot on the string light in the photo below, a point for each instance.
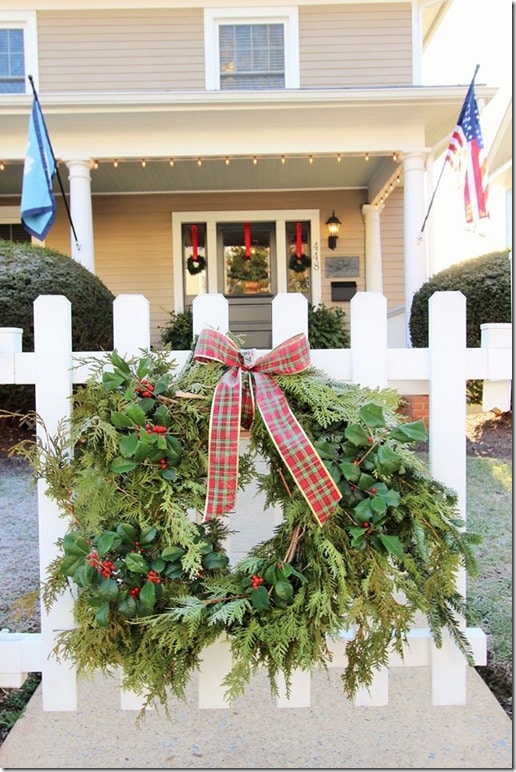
(283, 159)
(366, 156)
(199, 162)
(339, 157)
(255, 160)
(95, 164)
(115, 163)
(226, 160)
(394, 156)
(144, 163)
(171, 162)
(311, 159)
(2, 166)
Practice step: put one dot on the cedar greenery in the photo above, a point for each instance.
(153, 585)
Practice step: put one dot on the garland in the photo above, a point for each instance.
(153, 585)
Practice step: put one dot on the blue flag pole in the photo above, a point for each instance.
(38, 203)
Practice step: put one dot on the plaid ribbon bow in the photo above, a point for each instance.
(233, 406)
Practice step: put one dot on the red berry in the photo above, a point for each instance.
(372, 490)
(370, 439)
(365, 525)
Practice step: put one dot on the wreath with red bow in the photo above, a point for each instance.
(153, 586)
(195, 264)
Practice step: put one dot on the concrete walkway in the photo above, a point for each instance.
(254, 733)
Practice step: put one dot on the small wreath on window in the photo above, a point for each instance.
(197, 265)
(299, 264)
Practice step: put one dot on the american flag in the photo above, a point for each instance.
(466, 156)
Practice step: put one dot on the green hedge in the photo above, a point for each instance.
(28, 271)
(486, 283)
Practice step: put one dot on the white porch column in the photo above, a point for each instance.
(373, 248)
(416, 268)
(81, 213)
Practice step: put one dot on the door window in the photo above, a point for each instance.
(247, 257)
(299, 258)
(195, 260)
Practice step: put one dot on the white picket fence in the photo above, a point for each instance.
(440, 370)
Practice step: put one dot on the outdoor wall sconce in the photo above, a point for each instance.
(333, 224)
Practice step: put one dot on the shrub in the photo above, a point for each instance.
(178, 332)
(325, 328)
(26, 272)
(486, 283)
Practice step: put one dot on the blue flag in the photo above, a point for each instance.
(38, 205)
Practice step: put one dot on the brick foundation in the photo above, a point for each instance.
(415, 407)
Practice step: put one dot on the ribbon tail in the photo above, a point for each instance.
(223, 445)
(301, 458)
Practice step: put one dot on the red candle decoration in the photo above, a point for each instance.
(247, 239)
(299, 240)
(195, 242)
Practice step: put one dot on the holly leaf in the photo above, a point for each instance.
(378, 505)
(121, 465)
(73, 544)
(169, 474)
(173, 553)
(128, 445)
(120, 363)
(392, 544)
(214, 560)
(147, 595)
(136, 414)
(135, 563)
(70, 564)
(146, 404)
(107, 590)
(162, 416)
(414, 431)
(363, 512)
(372, 415)
(148, 535)
(105, 542)
(127, 532)
(259, 598)
(387, 460)
(102, 615)
(283, 591)
(121, 420)
(366, 481)
(127, 607)
(357, 435)
(350, 471)
(143, 367)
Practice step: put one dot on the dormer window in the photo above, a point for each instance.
(248, 51)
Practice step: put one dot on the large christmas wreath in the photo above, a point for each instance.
(368, 538)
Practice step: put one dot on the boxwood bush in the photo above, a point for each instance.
(485, 281)
(28, 271)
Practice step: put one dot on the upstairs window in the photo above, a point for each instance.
(12, 62)
(18, 51)
(252, 56)
(248, 52)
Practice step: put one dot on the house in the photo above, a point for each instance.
(227, 138)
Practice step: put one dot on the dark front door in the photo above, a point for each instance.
(247, 267)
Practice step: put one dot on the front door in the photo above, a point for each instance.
(246, 254)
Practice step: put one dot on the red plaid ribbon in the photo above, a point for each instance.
(233, 406)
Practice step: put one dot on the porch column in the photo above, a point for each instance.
(81, 213)
(416, 269)
(373, 248)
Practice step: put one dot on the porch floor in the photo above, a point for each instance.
(253, 733)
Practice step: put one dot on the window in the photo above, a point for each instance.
(247, 52)
(14, 232)
(18, 51)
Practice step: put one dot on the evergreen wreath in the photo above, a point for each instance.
(197, 265)
(152, 583)
(299, 264)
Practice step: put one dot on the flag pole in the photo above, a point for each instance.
(56, 167)
(477, 67)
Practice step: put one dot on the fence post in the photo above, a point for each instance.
(53, 356)
(131, 325)
(369, 339)
(496, 393)
(210, 310)
(447, 444)
(289, 316)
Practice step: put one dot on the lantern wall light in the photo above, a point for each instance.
(333, 224)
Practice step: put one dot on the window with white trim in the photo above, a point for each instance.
(18, 51)
(248, 51)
